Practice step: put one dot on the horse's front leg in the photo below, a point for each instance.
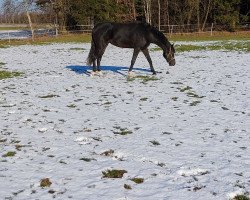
(135, 54)
(94, 65)
(98, 64)
(146, 54)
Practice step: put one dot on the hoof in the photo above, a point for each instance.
(131, 74)
(154, 73)
(93, 73)
(96, 73)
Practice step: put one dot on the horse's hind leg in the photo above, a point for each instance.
(100, 54)
(135, 54)
(146, 53)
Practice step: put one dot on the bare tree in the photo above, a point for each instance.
(9, 9)
(159, 15)
(207, 8)
(25, 6)
(147, 10)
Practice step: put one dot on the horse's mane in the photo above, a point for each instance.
(157, 34)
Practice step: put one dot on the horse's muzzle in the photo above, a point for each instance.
(172, 62)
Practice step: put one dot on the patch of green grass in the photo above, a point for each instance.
(71, 106)
(154, 142)
(177, 83)
(144, 99)
(185, 88)
(77, 49)
(194, 95)
(9, 154)
(114, 173)
(3, 140)
(3, 46)
(241, 197)
(122, 131)
(45, 183)
(49, 96)
(10, 28)
(144, 79)
(107, 103)
(7, 74)
(189, 47)
(174, 98)
(137, 180)
(221, 45)
(69, 38)
(108, 152)
(128, 187)
(205, 36)
(194, 103)
(87, 159)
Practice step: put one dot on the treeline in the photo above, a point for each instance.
(69, 13)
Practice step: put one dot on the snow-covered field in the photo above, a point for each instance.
(186, 134)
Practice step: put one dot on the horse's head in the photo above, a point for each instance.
(169, 55)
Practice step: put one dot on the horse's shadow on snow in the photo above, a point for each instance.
(117, 69)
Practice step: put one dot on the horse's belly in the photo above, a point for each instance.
(123, 44)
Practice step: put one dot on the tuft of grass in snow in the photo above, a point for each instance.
(144, 79)
(174, 98)
(194, 103)
(122, 131)
(7, 74)
(45, 183)
(77, 49)
(108, 153)
(2, 63)
(49, 96)
(71, 106)
(9, 154)
(193, 94)
(87, 159)
(177, 83)
(154, 142)
(128, 187)
(185, 88)
(144, 99)
(138, 180)
(3, 140)
(114, 173)
(241, 197)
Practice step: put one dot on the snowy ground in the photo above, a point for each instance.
(188, 131)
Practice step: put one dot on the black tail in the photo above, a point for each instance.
(91, 56)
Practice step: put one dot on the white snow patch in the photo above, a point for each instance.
(84, 140)
(192, 172)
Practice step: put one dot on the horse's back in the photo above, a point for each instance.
(126, 35)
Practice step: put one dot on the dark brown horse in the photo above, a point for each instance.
(129, 35)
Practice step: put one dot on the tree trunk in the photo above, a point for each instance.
(198, 15)
(159, 15)
(147, 10)
(205, 20)
(31, 25)
(134, 10)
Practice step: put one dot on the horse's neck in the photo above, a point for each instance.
(164, 45)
